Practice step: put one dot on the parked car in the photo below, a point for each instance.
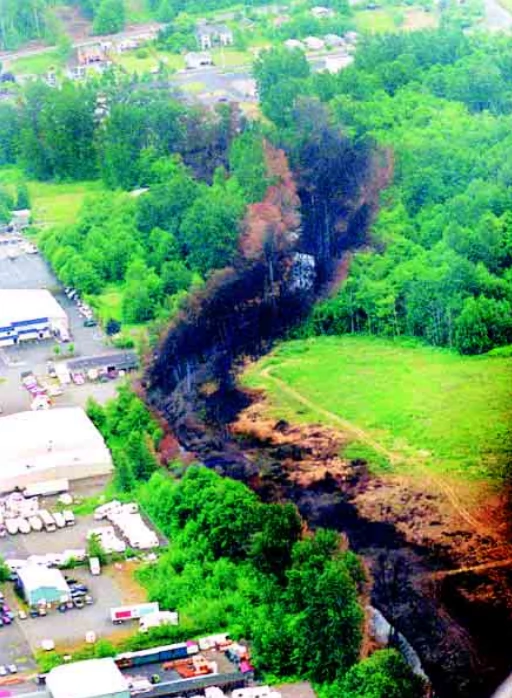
(78, 378)
(90, 322)
(12, 668)
(3, 670)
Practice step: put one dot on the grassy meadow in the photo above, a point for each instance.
(53, 203)
(452, 412)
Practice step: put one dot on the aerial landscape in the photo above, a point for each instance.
(255, 348)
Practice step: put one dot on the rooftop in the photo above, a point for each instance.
(35, 576)
(120, 359)
(18, 305)
(88, 679)
(43, 439)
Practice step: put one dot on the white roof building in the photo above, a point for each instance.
(42, 584)
(94, 678)
(29, 314)
(49, 445)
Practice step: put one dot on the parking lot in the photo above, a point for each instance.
(31, 271)
(115, 586)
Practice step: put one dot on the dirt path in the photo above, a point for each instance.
(418, 462)
(471, 568)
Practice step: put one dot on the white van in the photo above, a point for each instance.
(59, 519)
(94, 566)
(69, 517)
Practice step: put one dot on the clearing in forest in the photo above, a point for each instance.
(403, 405)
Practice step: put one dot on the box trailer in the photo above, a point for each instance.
(124, 613)
(44, 489)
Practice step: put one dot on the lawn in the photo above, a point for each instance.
(37, 65)
(394, 19)
(452, 412)
(133, 64)
(231, 58)
(52, 203)
(57, 204)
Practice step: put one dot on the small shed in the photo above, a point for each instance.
(41, 584)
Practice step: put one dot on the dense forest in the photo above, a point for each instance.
(438, 265)
(250, 568)
(195, 172)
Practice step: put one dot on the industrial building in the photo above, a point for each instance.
(42, 585)
(93, 678)
(49, 445)
(30, 314)
(118, 361)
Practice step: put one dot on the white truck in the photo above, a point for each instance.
(157, 619)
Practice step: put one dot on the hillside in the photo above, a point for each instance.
(414, 403)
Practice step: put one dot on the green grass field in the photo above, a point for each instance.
(394, 19)
(53, 203)
(37, 65)
(451, 412)
(58, 204)
(231, 58)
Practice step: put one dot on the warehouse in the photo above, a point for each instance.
(118, 361)
(50, 445)
(42, 585)
(30, 314)
(93, 678)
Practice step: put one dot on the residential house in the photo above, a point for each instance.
(211, 35)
